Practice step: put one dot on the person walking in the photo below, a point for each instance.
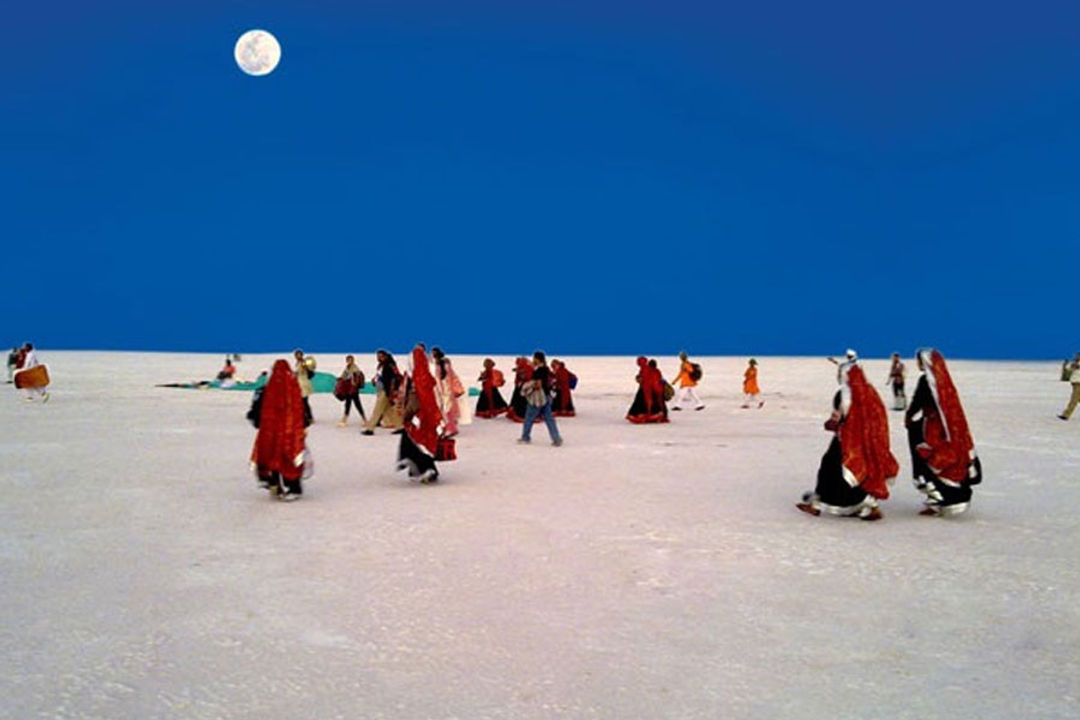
(687, 379)
(896, 380)
(750, 386)
(419, 447)
(537, 393)
(490, 403)
(562, 397)
(348, 387)
(649, 405)
(278, 453)
(12, 363)
(30, 360)
(858, 466)
(944, 463)
(387, 389)
(450, 391)
(1073, 376)
(305, 370)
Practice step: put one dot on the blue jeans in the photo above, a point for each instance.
(530, 416)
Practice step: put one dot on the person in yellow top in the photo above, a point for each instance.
(750, 386)
(687, 380)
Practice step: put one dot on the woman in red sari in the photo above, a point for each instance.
(562, 401)
(423, 422)
(490, 403)
(518, 404)
(278, 453)
(858, 467)
(649, 405)
(943, 459)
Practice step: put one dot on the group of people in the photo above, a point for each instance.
(858, 466)
(426, 403)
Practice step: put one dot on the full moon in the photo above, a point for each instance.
(257, 52)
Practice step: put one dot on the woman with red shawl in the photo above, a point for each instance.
(423, 420)
(943, 459)
(490, 403)
(523, 371)
(649, 405)
(278, 413)
(562, 401)
(857, 468)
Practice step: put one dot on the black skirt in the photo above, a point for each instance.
(414, 459)
(832, 489)
(490, 404)
(639, 411)
(562, 404)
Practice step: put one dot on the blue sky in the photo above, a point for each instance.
(587, 177)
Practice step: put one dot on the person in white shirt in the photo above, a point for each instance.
(30, 360)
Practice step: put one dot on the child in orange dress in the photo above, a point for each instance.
(750, 386)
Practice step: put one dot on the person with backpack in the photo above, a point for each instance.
(562, 399)
(348, 387)
(305, 370)
(687, 379)
(537, 393)
(490, 403)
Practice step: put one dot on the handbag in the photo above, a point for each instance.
(343, 388)
(446, 449)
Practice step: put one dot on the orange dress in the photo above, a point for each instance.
(749, 385)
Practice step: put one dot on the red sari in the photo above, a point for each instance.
(424, 428)
(864, 437)
(523, 371)
(279, 444)
(562, 405)
(490, 403)
(648, 405)
(947, 445)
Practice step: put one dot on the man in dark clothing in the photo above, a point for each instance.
(538, 394)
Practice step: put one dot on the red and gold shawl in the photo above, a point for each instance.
(864, 436)
(424, 428)
(945, 427)
(279, 443)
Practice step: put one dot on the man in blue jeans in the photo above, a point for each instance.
(537, 389)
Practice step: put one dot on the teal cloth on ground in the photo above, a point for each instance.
(321, 383)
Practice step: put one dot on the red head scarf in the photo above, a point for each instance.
(279, 444)
(562, 379)
(864, 435)
(424, 429)
(945, 428)
(523, 370)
